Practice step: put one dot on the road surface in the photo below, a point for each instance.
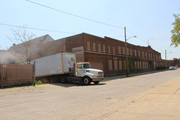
(78, 102)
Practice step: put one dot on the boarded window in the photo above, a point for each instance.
(139, 54)
(115, 65)
(109, 49)
(142, 54)
(110, 64)
(94, 46)
(148, 55)
(88, 46)
(127, 50)
(140, 65)
(137, 65)
(131, 52)
(146, 65)
(135, 53)
(114, 51)
(119, 49)
(143, 65)
(104, 49)
(99, 47)
(145, 54)
(120, 65)
(123, 50)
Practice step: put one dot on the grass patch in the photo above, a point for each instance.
(25, 84)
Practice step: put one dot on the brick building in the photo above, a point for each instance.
(106, 53)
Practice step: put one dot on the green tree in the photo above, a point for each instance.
(175, 38)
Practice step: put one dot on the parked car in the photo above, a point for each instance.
(172, 68)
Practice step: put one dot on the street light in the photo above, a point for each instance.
(126, 50)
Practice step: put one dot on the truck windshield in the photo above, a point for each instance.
(87, 66)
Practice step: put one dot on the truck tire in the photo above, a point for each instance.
(96, 82)
(64, 79)
(86, 81)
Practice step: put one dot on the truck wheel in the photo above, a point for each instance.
(64, 79)
(96, 82)
(86, 81)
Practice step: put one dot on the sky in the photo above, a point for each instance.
(149, 20)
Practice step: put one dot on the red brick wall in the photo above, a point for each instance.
(94, 52)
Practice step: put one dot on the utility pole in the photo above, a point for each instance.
(126, 51)
(165, 54)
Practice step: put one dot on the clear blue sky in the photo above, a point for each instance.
(144, 18)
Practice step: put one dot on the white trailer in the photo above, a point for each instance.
(62, 67)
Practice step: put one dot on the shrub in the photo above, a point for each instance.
(38, 82)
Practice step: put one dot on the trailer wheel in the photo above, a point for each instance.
(96, 82)
(64, 79)
(86, 81)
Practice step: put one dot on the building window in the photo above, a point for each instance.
(110, 64)
(144, 65)
(131, 52)
(135, 53)
(94, 46)
(137, 65)
(123, 50)
(119, 49)
(148, 55)
(120, 64)
(127, 50)
(139, 54)
(99, 47)
(88, 45)
(109, 49)
(143, 54)
(114, 51)
(115, 65)
(104, 48)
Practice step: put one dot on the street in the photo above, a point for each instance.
(107, 100)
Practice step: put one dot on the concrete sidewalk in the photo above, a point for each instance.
(160, 103)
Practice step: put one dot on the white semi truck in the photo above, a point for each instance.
(62, 67)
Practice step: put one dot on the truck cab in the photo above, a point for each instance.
(88, 74)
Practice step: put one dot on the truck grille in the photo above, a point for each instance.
(100, 74)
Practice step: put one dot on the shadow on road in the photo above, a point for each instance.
(76, 84)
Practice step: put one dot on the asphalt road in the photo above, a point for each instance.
(77, 102)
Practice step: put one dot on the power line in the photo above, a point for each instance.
(35, 28)
(74, 15)
(92, 20)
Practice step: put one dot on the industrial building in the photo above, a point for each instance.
(106, 53)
